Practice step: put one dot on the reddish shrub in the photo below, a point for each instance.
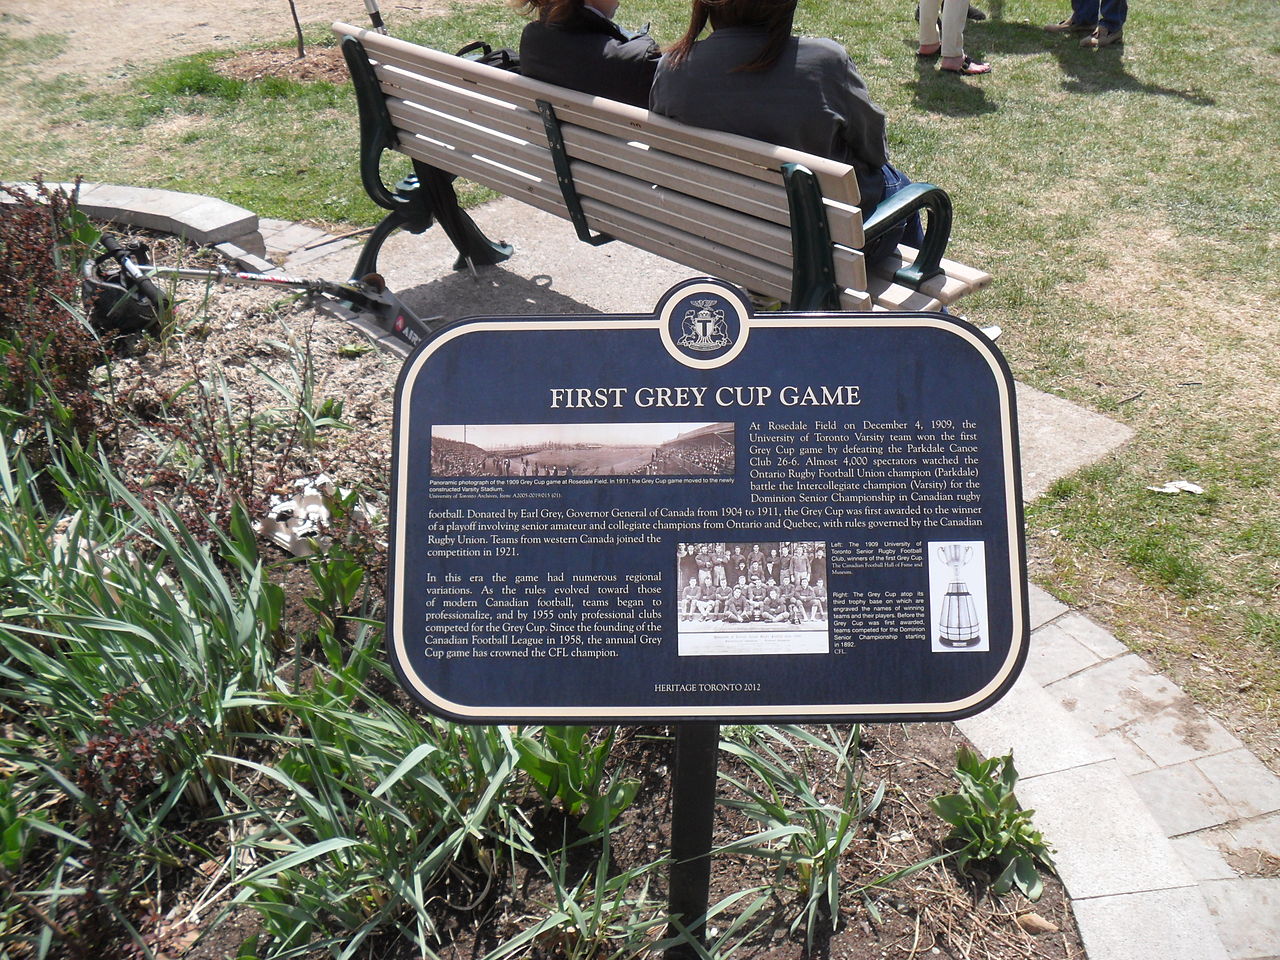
(47, 352)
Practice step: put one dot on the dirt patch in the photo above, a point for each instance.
(105, 38)
(1188, 330)
(319, 63)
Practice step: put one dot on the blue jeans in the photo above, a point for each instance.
(1110, 13)
(910, 231)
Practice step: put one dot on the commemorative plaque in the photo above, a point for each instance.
(706, 513)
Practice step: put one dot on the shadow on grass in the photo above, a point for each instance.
(1084, 71)
(943, 92)
(1101, 71)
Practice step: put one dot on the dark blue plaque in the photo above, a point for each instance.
(705, 513)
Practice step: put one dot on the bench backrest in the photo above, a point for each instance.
(708, 200)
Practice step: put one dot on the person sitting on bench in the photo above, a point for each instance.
(576, 44)
(752, 77)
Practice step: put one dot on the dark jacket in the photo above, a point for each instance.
(811, 99)
(590, 53)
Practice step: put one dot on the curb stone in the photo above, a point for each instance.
(203, 220)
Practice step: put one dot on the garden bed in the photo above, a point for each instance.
(206, 754)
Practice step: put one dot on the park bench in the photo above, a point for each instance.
(777, 221)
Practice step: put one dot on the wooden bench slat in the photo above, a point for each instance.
(972, 277)
(850, 267)
(957, 281)
(694, 252)
(622, 224)
(527, 155)
(707, 255)
(720, 149)
(752, 197)
(755, 237)
(893, 296)
(765, 276)
(752, 236)
(756, 275)
(708, 185)
(540, 193)
(691, 215)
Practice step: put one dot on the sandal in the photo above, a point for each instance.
(929, 51)
(968, 68)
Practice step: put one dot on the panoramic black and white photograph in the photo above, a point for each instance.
(583, 450)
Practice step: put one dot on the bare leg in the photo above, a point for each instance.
(953, 60)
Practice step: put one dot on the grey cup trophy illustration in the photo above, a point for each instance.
(958, 626)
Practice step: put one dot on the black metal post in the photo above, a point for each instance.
(693, 801)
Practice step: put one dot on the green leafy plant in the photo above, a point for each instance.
(568, 769)
(606, 915)
(374, 812)
(304, 414)
(804, 833)
(988, 823)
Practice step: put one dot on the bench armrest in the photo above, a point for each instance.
(377, 131)
(899, 206)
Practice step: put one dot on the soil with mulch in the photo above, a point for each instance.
(241, 332)
(317, 63)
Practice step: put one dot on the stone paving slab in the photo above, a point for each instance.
(1060, 742)
(1247, 915)
(1107, 841)
(302, 258)
(1055, 654)
(1058, 438)
(1172, 924)
(199, 218)
(1116, 692)
(1044, 606)
(1180, 733)
(292, 238)
(1126, 753)
(1203, 857)
(1182, 799)
(269, 226)
(213, 220)
(1253, 845)
(1093, 637)
(1248, 786)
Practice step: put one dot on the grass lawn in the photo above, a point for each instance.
(1125, 200)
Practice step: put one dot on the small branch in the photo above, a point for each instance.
(342, 236)
(35, 911)
(297, 28)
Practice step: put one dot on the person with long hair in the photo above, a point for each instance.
(750, 76)
(576, 44)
